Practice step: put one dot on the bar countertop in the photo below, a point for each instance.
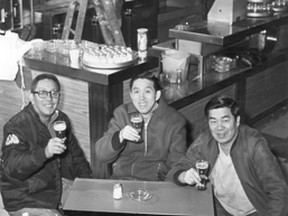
(60, 64)
(220, 33)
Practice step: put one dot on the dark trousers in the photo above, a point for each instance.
(220, 211)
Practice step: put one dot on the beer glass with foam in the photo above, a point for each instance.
(202, 169)
(60, 129)
(137, 123)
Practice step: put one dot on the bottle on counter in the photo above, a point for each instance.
(142, 43)
(179, 73)
(117, 191)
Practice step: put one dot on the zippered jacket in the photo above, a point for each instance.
(255, 165)
(164, 144)
(28, 178)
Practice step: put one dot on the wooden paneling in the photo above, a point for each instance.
(126, 91)
(11, 102)
(103, 101)
(266, 89)
(74, 103)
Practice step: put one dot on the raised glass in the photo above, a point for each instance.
(137, 123)
(202, 169)
(60, 129)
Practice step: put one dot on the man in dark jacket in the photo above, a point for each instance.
(163, 134)
(36, 165)
(245, 175)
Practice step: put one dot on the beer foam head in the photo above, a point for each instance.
(202, 165)
(136, 119)
(60, 126)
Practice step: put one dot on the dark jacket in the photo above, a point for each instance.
(256, 167)
(28, 178)
(164, 145)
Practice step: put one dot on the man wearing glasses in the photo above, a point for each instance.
(36, 164)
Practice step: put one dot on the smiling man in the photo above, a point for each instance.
(150, 154)
(245, 175)
(36, 165)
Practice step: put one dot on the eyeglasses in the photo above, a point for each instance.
(44, 94)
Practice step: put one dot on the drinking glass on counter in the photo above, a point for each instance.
(202, 169)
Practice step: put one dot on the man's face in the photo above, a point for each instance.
(223, 125)
(144, 96)
(45, 107)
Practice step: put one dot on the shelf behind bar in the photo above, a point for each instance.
(220, 33)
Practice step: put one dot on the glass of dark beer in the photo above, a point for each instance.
(137, 123)
(60, 129)
(202, 169)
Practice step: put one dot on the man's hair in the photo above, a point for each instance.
(149, 76)
(42, 77)
(221, 101)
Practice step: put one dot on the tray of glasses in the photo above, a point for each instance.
(107, 56)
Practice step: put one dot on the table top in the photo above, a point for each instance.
(96, 195)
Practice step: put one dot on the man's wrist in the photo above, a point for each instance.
(47, 153)
(116, 142)
(177, 177)
(181, 177)
(121, 139)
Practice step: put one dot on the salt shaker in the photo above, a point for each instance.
(117, 191)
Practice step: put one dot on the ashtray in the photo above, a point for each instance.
(139, 195)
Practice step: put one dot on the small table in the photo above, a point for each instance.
(96, 195)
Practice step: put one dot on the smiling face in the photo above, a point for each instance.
(223, 125)
(45, 107)
(144, 95)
